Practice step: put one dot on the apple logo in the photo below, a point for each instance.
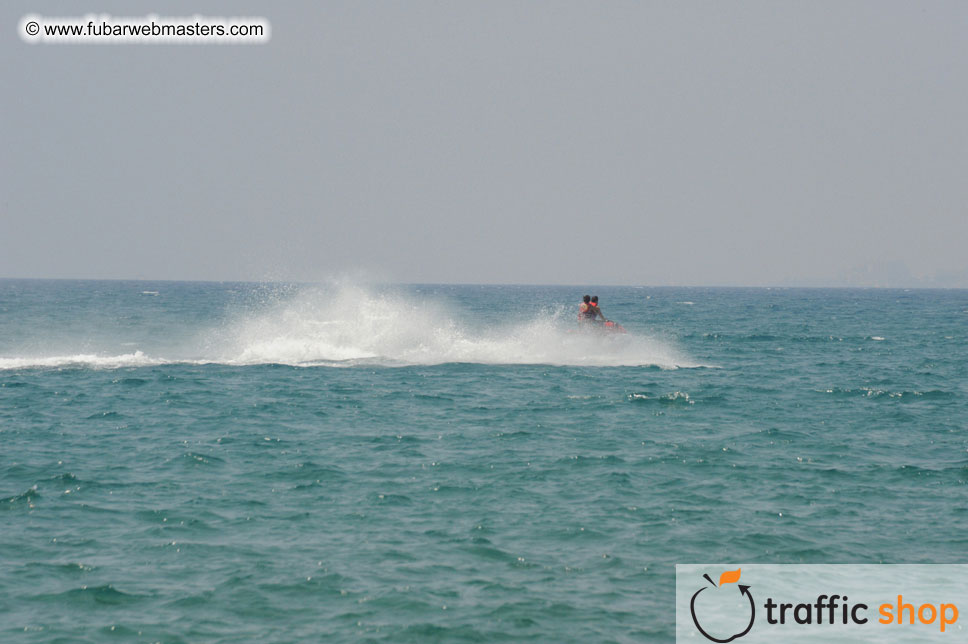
(724, 602)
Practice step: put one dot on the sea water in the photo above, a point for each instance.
(228, 462)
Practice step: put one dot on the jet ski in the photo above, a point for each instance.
(607, 328)
(613, 327)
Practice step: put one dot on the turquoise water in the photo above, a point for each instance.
(202, 462)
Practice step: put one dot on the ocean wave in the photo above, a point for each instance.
(875, 393)
(672, 398)
(86, 595)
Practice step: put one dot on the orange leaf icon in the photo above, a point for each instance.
(729, 577)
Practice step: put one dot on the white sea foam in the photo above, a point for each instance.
(136, 359)
(353, 325)
(350, 325)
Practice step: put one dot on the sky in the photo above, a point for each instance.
(646, 143)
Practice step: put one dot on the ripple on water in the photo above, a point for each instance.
(25, 499)
(105, 594)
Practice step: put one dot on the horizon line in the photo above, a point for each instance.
(505, 284)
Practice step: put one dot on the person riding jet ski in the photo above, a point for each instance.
(591, 316)
(586, 311)
(598, 311)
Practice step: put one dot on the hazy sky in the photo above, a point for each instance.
(713, 143)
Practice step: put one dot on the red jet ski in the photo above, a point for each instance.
(613, 327)
(608, 328)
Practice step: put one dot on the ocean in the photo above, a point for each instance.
(189, 462)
